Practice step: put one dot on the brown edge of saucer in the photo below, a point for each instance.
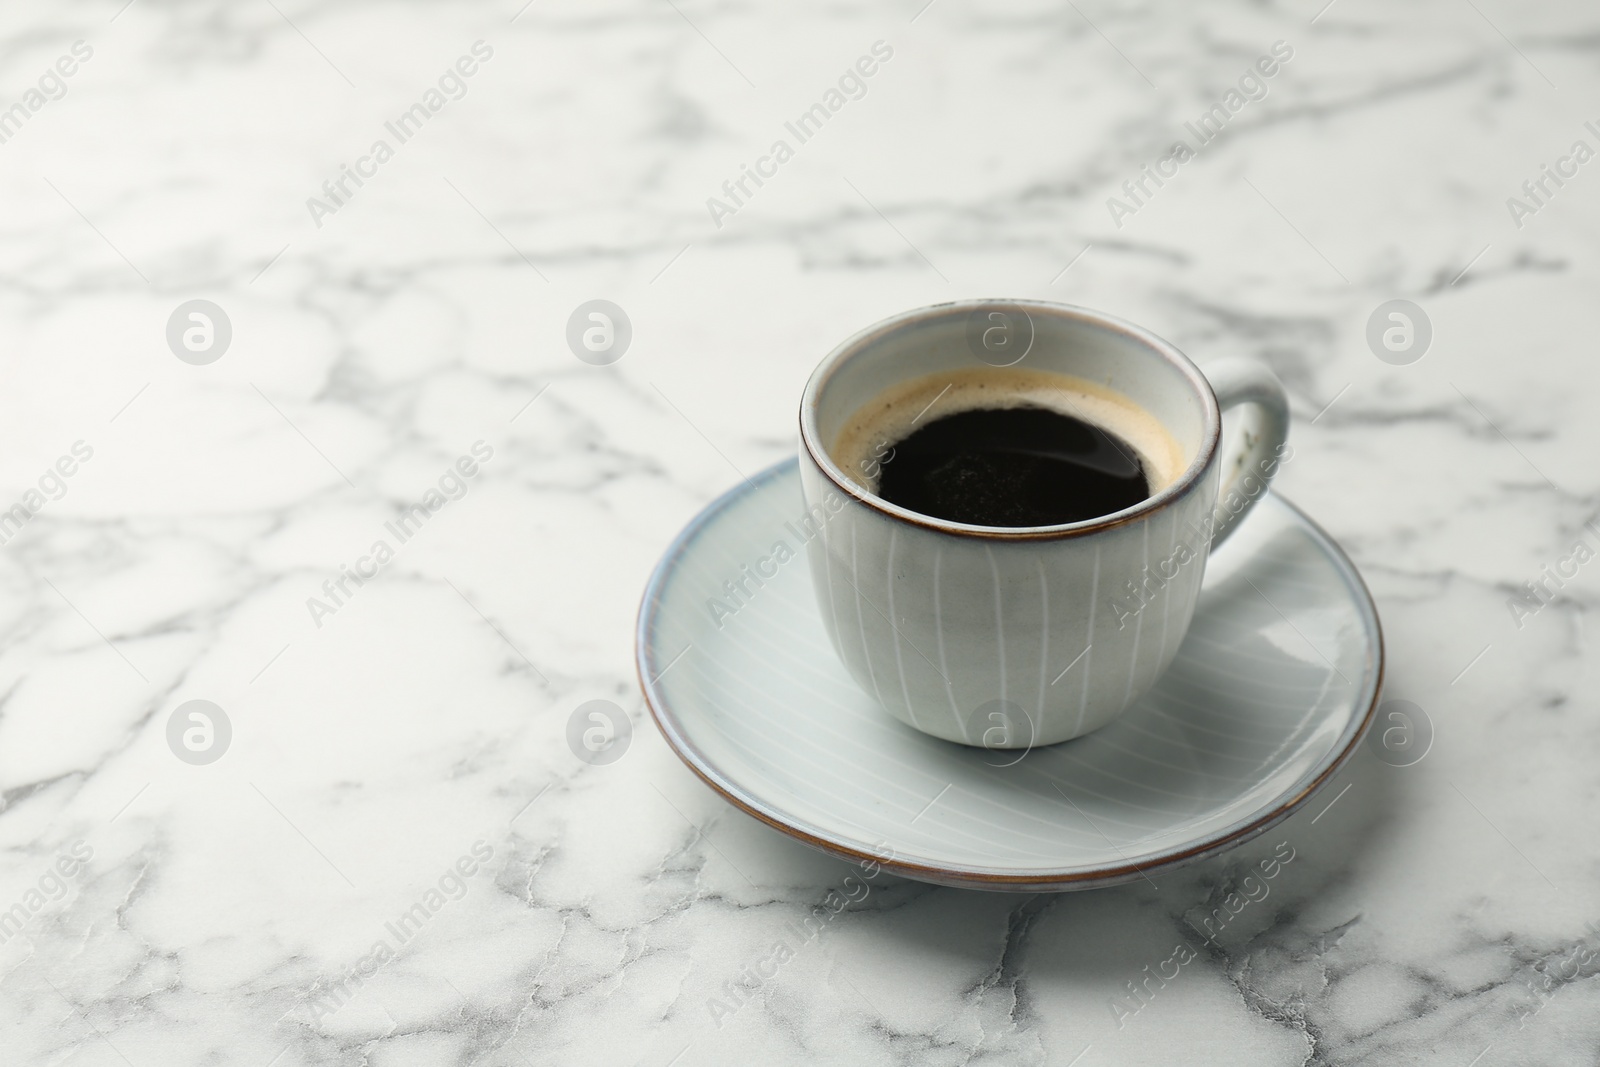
(682, 747)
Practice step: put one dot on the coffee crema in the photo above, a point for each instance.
(1007, 447)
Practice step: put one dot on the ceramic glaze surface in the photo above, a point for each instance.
(968, 633)
(1269, 691)
(1042, 641)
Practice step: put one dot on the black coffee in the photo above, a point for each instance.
(1022, 466)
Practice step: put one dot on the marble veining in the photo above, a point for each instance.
(417, 754)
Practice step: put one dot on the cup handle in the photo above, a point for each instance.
(1263, 444)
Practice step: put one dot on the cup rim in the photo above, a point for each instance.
(1187, 480)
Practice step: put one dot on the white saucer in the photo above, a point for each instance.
(1273, 688)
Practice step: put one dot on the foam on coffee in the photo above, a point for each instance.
(897, 412)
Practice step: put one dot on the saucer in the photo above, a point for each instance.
(1273, 688)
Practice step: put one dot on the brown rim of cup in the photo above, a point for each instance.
(1180, 488)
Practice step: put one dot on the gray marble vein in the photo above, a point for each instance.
(303, 899)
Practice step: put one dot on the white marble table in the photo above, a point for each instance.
(397, 859)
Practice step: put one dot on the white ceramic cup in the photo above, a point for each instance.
(1010, 637)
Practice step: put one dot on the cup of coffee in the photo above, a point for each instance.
(1016, 500)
